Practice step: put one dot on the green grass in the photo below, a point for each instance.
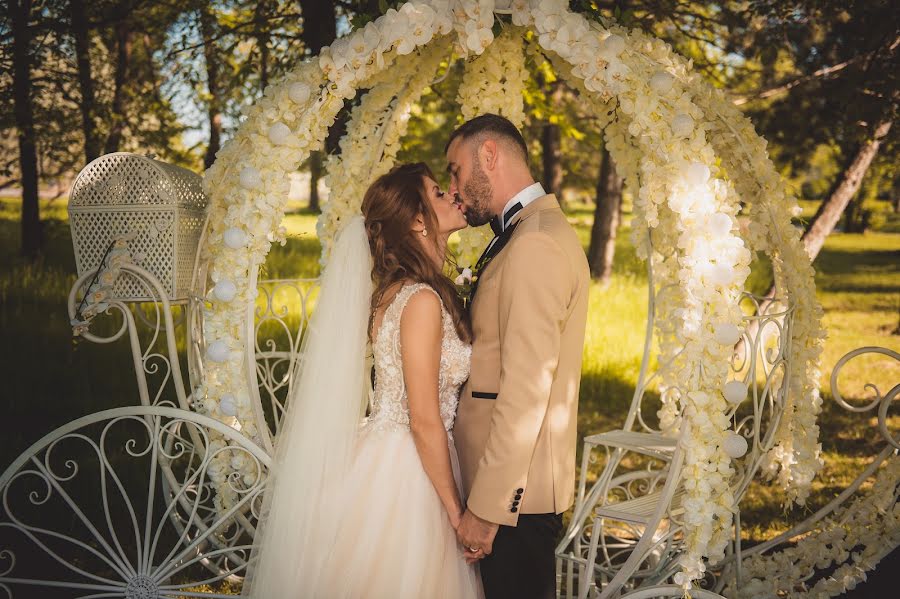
(49, 380)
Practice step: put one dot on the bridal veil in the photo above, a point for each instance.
(315, 440)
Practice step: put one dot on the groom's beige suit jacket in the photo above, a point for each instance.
(515, 429)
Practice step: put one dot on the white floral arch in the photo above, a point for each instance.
(688, 155)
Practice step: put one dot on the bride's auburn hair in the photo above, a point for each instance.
(390, 207)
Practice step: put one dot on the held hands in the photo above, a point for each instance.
(476, 536)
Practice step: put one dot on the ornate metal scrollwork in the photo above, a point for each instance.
(83, 506)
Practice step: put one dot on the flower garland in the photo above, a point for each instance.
(247, 186)
(660, 66)
(693, 210)
(472, 21)
(100, 290)
(796, 458)
(493, 82)
(853, 540)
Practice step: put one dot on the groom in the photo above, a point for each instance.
(516, 422)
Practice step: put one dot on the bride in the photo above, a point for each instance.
(368, 507)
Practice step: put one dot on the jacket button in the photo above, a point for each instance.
(514, 509)
(515, 503)
(520, 490)
(518, 496)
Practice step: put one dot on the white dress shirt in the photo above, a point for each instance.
(524, 197)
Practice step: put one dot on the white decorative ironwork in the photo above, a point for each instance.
(83, 508)
(280, 316)
(627, 529)
(669, 590)
(161, 205)
(154, 355)
(882, 402)
(860, 553)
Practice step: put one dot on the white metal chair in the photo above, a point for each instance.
(625, 533)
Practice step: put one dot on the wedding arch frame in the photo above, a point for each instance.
(687, 155)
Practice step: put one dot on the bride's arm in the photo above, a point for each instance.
(420, 350)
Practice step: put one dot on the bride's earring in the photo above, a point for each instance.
(424, 232)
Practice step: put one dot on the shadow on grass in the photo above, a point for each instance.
(858, 271)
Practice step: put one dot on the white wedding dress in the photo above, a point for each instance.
(394, 539)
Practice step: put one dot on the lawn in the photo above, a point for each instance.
(50, 380)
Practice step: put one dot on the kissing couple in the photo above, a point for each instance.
(451, 482)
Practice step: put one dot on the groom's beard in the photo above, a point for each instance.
(478, 193)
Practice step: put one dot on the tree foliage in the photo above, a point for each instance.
(832, 61)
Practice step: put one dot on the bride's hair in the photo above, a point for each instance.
(389, 207)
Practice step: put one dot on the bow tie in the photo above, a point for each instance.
(496, 227)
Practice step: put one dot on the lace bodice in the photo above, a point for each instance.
(390, 406)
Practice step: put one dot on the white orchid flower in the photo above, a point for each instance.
(339, 52)
(421, 26)
(477, 38)
(521, 13)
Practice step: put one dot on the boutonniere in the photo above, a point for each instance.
(465, 282)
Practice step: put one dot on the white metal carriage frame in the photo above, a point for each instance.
(624, 536)
(624, 532)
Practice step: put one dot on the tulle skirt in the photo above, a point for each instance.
(394, 539)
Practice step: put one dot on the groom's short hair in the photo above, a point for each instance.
(492, 125)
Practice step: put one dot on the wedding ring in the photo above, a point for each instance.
(473, 549)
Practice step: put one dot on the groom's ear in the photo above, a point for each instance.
(488, 152)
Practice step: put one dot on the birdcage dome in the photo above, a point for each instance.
(160, 207)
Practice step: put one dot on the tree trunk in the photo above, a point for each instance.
(895, 195)
(260, 17)
(123, 63)
(81, 35)
(214, 109)
(552, 151)
(321, 15)
(316, 170)
(606, 221)
(830, 212)
(32, 233)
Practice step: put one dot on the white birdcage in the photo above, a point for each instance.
(161, 207)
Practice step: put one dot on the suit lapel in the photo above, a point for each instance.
(499, 242)
(496, 247)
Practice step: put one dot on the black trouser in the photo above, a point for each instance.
(523, 561)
